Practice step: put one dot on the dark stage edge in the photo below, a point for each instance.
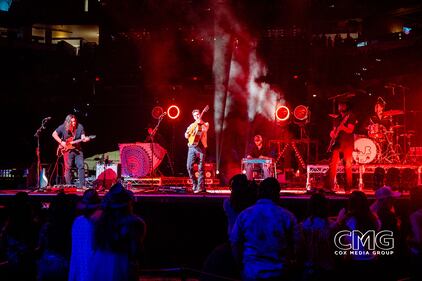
(178, 193)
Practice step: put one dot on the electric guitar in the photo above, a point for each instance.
(333, 140)
(70, 145)
(195, 133)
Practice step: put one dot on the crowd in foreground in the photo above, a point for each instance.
(94, 239)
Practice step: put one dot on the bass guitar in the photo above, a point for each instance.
(70, 144)
(195, 132)
(333, 140)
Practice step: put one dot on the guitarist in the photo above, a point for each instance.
(342, 141)
(69, 131)
(196, 133)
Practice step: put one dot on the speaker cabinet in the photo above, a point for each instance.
(209, 170)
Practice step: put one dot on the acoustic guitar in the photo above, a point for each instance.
(195, 133)
(43, 179)
(70, 144)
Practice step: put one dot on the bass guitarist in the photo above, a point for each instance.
(342, 144)
(196, 134)
(67, 132)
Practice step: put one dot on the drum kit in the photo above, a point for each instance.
(382, 144)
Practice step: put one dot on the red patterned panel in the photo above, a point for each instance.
(137, 159)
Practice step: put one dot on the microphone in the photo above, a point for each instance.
(163, 114)
(44, 121)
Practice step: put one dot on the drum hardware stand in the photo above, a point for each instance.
(407, 157)
(392, 154)
(361, 171)
(393, 87)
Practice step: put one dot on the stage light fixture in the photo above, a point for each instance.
(157, 111)
(301, 112)
(282, 113)
(173, 112)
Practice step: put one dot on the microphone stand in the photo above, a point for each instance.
(404, 89)
(105, 164)
(151, 137)
(405, 148)
(37, 151)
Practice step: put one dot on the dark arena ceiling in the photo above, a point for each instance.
(111, 61)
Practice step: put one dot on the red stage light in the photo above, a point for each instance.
(282, 113)
(301, 112)
(157, 111)
(173, 112)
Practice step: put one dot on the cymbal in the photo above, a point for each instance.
(408, 135)
(395, 127)
(393, 112)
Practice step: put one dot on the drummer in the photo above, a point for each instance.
(378, 124)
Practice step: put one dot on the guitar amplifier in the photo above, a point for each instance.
(209, 170)
(107, 175)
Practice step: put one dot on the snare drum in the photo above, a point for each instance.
(377, 131)
(366, 151)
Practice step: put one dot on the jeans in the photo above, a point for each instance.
(347, 151)
(196, 154)
(77, 157)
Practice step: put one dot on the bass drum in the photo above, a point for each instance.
(365, 151)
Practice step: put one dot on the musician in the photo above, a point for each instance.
(378, 124)
(196, 133)
(344, 126)
(258, 150)
(68, 131)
